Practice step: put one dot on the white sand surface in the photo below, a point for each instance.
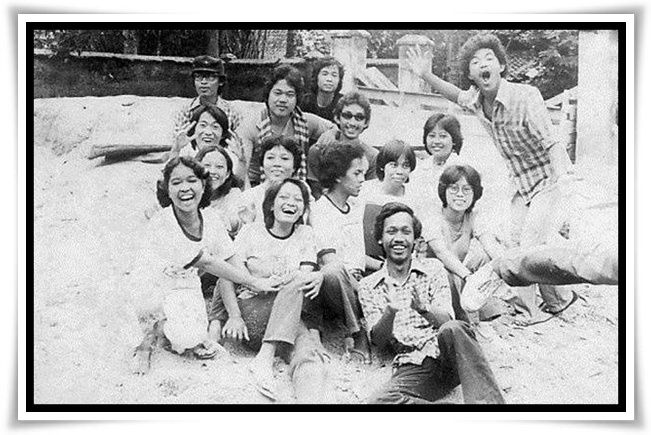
(88, 215)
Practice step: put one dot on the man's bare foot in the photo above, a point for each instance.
(141, 361)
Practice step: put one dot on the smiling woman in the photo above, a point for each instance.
(182, 242)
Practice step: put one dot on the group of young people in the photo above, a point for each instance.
(287, 221)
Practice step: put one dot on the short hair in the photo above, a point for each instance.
(270, 197)
(477, 42)
(289, 143)
(388, 210)
(231, 181)
(449, 123)
(453, 174)
(335, 160)
(215, 112)
(162, 185)
(350, 98)
(288, 73)
(323, 63)
(391, 152)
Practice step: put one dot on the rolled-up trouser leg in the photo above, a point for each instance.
(339, 295)
(559, 265)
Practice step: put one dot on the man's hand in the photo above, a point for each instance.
(393, 301)
(246, 213)
(182, 137)
(235, 328)
(235, 145)
(417, 62)
(416, 302)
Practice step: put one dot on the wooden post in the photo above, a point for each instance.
(597, 98)
(407, 80)
(349, 47)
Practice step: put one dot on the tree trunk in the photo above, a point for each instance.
(213, 43)
(130, 45)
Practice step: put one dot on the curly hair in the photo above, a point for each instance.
(475, 43)
(455, 173)
(335, 160)
(449, 123)
(351, 98)
(162, 185)
(270, 197)
(391, 208)
(290, 144)
(230, 182)
(291, 75)
(391, 152)
(324, 63)
(215, 112)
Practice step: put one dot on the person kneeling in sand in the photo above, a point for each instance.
(181, 242)
(279, 247)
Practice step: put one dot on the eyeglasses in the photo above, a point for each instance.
(454, 189)
(211, 77)
(358, 116)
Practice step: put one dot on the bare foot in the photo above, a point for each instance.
(263, 379)
(357, 346)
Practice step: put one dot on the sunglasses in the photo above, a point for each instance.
(358, 116)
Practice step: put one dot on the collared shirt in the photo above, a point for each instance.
(416, 337)
(522, 131)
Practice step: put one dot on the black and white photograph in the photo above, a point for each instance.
(358, 214)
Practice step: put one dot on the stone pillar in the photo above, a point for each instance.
(597, 98)
(349, 47)
(407, 80)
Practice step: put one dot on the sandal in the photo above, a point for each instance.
(350, 351)
(575, 297)
(206, 350)
(264, 384)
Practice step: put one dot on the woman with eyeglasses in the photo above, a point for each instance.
(460, 238)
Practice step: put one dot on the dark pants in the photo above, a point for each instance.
(337, 298)
(461, 361)
(559, 265)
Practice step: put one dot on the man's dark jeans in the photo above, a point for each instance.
(461, 361)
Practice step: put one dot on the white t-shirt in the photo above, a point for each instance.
(167, 254)
(371, 193)
(280, 257)
(341, 231)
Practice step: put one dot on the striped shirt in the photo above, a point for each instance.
(522, 131)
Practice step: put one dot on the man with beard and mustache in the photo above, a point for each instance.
(407, 305)
(516, 117)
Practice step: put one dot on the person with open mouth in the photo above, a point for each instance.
(408, 308)
(516, 117)
(280, 159)
(281, 117)
(182, 241)
(279, 247)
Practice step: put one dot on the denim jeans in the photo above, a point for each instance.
(461, 361)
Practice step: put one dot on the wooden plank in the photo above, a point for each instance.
(110, 150)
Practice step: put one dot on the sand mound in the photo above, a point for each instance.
(88, 217)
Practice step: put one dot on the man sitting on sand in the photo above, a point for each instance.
(407, 305)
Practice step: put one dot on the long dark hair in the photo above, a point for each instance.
(232, 181)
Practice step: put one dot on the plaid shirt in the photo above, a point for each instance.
(522, 131)
(414, 337)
